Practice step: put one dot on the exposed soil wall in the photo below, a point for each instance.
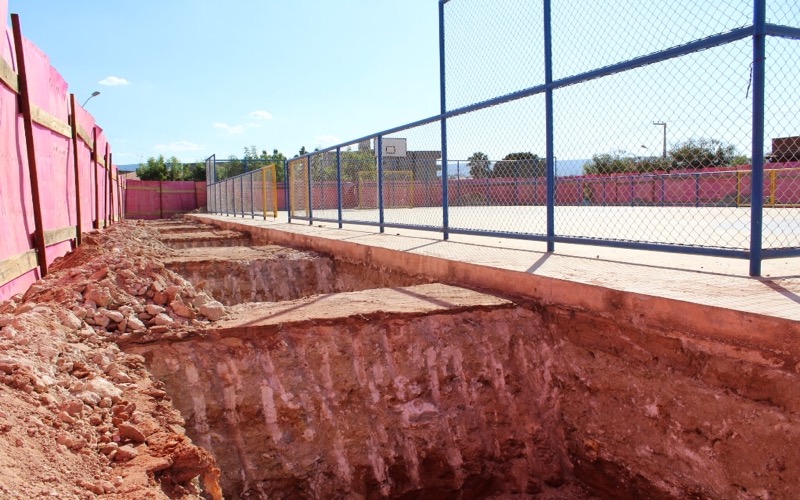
(430, 406)
(497, 400)
(273, 273)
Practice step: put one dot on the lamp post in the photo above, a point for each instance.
(663, 124)
(94, 94)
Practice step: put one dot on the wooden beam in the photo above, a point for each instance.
(96, 219)
(49, 121)
(25, 105)
(85, 136)
(8, 76)
(16, 266)
(55, 236)
(75, 162)
(109, 189)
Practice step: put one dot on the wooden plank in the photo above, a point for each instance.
(16, 266)
(141, 188)
(55, 236)
(25, 109)
(84, 136)
(49, 121)
(9, 76)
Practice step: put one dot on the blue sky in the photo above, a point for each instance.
(192, 78)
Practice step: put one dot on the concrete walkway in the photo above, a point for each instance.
(710, 293)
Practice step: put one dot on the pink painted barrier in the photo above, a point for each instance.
(53, 151)
(163, 199)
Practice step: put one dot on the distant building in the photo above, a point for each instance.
(785, 149)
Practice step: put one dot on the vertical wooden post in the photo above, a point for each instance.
(25, 109)
(160, 200)
(74, 124)
(105, 191)
(96, 220)
(196, 198)
(110, 189)
(119, 196)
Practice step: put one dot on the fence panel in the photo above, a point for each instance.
(632, 125)
(502, 149)
(412, 177)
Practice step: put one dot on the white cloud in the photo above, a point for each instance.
(326, 140)
(261, 115)
(231, 129)
(113, 81)
(178, 147)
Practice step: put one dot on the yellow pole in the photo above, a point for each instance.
(773, 183)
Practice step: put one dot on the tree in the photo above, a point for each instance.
(702, 153)
(479, 165)
(301, 152)
(520, 165)
(159, 169)
(155, 169)
(616, 162)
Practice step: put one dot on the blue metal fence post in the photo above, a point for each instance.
(757, 187)
(549, 142)
(286, 191)
(310, 192)
(443, 109)
(339, 185)
(379, 146)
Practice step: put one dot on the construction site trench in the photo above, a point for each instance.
(300, 374)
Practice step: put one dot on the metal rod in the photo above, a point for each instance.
(443, 110)
(339, 185)
(757, 187)
(309, 206)
(549, 133)
(381, 216)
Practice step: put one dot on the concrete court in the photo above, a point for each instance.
(713, 294)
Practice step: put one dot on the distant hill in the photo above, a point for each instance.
(131, 167)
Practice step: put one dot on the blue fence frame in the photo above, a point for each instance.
(758, 31)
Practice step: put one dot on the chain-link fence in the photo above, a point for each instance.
(655, 126)
(251, 194)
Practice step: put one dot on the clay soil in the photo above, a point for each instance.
(78, 417)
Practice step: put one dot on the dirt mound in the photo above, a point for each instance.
(78, 417)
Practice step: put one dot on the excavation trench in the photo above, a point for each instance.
(328, 379)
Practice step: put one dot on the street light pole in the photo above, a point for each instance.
(94, 94)
(663, 124)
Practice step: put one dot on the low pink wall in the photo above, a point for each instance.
(163, 199)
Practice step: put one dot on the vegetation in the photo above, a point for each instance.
(479, 165)
(690, 154)
(520, 165)
(159, 169)
(251, 160)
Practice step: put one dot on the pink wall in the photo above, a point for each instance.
(48, 91)
(163, 199)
